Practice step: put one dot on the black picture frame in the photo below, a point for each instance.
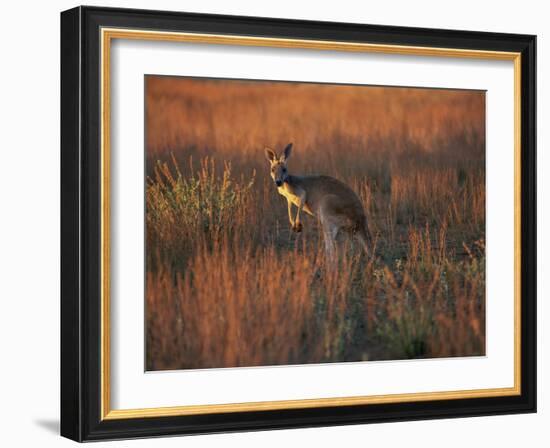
(81, 224)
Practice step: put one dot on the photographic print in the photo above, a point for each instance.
(272, 223)
(295, 223)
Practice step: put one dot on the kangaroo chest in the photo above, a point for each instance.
(291, 195)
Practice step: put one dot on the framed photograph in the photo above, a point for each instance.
(273, 223)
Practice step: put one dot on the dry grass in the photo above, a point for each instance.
(228, 283)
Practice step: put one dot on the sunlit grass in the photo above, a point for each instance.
(228, 283)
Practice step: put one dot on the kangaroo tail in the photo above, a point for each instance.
(366, 232)
(363, 234)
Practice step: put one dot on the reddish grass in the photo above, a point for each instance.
(228, 284)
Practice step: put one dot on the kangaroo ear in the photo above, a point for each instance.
(287, 151)
(270, 154)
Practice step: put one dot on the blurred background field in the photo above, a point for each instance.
(228, 284)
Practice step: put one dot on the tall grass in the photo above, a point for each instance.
(203, 206)
(228, 284)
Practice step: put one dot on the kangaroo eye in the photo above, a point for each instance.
(284, 170)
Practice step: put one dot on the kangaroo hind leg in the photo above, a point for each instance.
(331, 225)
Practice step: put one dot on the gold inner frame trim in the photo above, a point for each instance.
(107, 35)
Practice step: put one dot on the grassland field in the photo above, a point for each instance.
(229, 284)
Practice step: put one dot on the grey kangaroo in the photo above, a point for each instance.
(331, 201)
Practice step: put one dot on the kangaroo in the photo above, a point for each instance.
(331, 201)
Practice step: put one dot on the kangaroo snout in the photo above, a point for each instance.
(278, 183)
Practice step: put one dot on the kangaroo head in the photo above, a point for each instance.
(279, 171)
